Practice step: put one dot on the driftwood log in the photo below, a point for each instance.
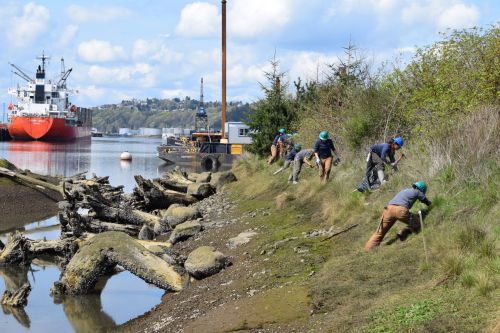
(17, 298)
(155, 195)
(107, 250)
(17, 176)
(21, 250)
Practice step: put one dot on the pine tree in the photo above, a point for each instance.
(270, 114)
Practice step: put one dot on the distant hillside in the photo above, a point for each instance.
(160, 113)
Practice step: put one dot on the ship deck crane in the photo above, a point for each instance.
(201, 119)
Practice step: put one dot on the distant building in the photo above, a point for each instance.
(238, 132)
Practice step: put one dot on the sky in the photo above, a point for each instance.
(157, 48)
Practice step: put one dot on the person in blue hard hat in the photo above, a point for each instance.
(380, 155)
(398, 209)
(277, 147)
(324, 150)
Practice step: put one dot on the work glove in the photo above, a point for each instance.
(318, 161)
(394, 166)
(337, 161)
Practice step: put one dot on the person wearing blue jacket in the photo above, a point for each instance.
(323, 149)
(289, 158)
(382, 154)
(398, 209)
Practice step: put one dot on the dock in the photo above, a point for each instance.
(4, 133)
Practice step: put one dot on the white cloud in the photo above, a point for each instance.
(91, 93)
(143, 74)
(179, 93)
(26, 28)
(309, 65)
(256, 17)
(198, 19)
(440, 14)
(68, 34)
(99, 51)
(458, 16)
(88, 14)
(151, 50)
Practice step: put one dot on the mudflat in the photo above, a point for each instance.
(21, 204)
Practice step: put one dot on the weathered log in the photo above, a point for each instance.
(121, 215)
(178, 177)
(17, 298)
(115, 248)
(156, 196)
(29, 180)
(15, 251)
(97, 226)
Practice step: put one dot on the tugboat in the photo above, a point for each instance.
(43, 111)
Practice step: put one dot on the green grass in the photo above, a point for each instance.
(356, 292)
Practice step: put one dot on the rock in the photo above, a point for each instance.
(186, 213)
(205, 261)
(204, 177)
(146, 233)
(241, 239)
(219, 179)
(184, 231)
(200, 190)
(193, 176)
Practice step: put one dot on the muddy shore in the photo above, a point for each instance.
(21, 204)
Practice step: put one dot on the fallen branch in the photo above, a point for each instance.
(341, 231)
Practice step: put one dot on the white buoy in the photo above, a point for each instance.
(126, 156)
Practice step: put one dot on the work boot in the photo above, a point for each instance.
(403, 234)
(381, 176)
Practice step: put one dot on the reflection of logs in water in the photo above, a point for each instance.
(14, 278)
(85, 312)
(18, 313)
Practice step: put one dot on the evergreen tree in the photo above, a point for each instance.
(270, 114)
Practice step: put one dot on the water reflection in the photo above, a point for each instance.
(50, 158)
(107, 307)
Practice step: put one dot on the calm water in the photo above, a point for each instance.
(124, 296)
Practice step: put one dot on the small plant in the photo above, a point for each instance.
(484, 284)
(453, 265)
(468, 280)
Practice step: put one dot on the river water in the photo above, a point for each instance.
(123, 296)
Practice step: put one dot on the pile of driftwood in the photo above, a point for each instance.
(101, 227)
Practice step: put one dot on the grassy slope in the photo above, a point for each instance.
(392, 289)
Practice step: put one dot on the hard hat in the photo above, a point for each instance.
(420, 186)
(399, 141)
(323, 135)
(297, 147)
(282, 131)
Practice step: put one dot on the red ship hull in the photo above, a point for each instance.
(46, 129)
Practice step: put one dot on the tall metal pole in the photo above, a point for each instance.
(223, 116)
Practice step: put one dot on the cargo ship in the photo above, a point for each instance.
(44, 111)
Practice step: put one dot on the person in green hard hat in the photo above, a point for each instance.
(398, 209)
(277, 146)
(323, 149)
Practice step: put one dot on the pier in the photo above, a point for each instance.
(4, 133)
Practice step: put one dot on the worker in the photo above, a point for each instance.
(378, 156)
(277, 146)
(398, 209)
(289, 158)
(323, 149)
(304, 156)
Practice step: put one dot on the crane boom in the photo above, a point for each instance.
(21, 74)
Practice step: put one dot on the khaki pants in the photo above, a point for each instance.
(274, 154)
(324, 168)
(392, 214)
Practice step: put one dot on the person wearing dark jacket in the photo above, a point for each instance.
(398, 209)
(382, 154)
(289, 158)
(323, 149)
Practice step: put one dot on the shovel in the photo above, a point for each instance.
(423, 237)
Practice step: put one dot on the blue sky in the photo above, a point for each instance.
(153, 48)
